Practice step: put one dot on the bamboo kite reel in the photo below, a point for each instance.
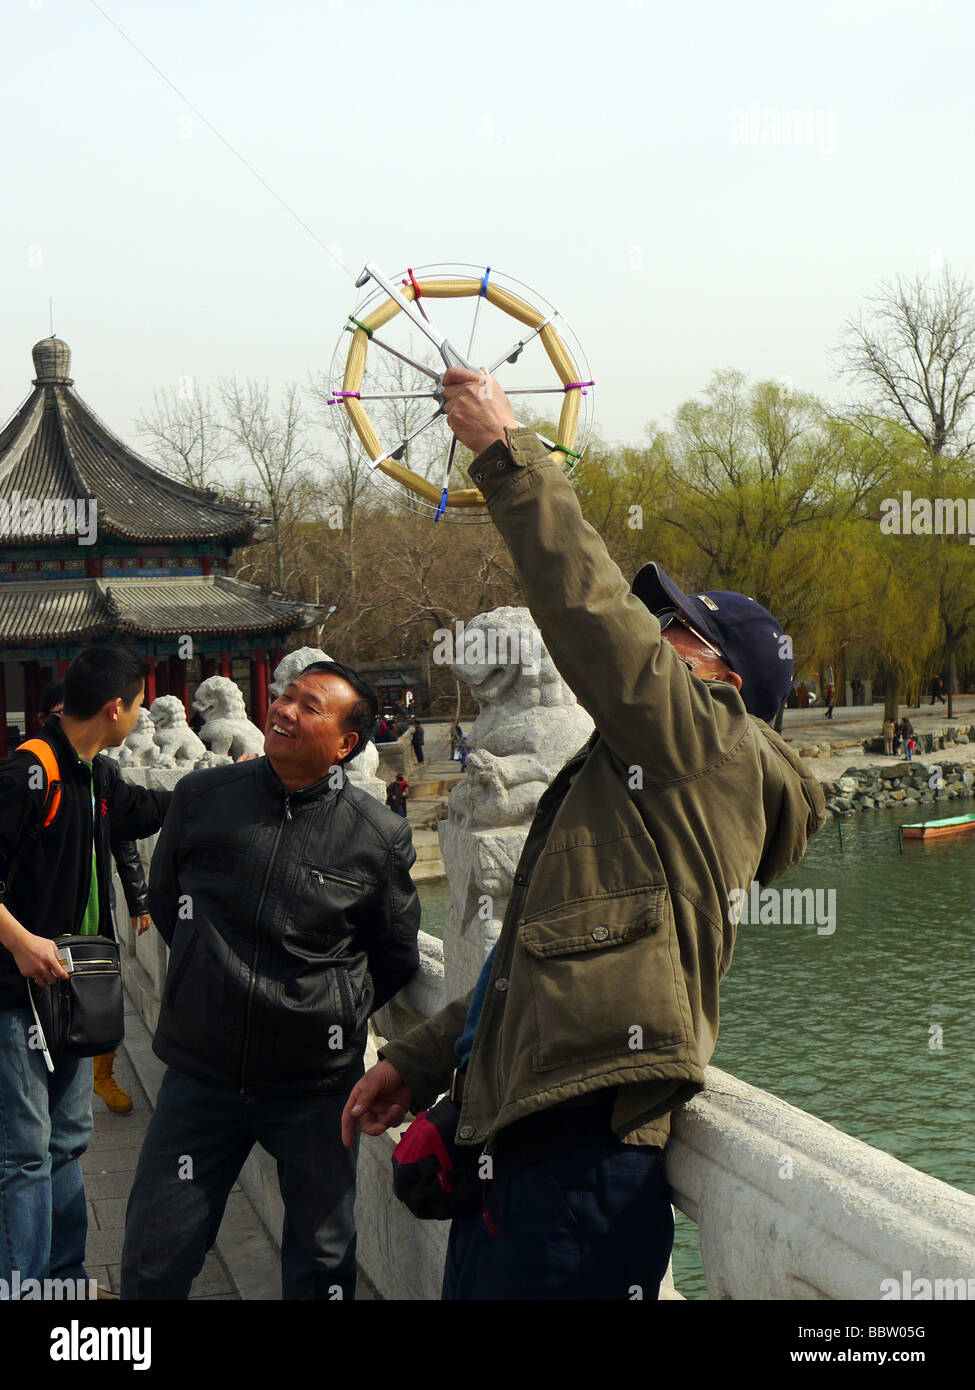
(386, 381)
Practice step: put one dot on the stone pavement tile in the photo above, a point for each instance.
(108, 1137)
(110, 1161)
(104, 1247)
(115, 1184)
(92, 1219)
(212, 1279)
(110, 1212)
(252, 1260)
(100, 1272)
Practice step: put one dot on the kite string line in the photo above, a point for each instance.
(332, 250)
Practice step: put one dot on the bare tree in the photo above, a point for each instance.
(917, 358)
(186, 437)
(274, 443)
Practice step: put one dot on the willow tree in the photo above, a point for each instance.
(756, 484)
(914, 357)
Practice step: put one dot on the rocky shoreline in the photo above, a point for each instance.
(901, 784)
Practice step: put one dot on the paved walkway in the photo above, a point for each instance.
(244, 1264)
(845, 732)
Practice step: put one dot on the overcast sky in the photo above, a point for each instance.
(639, 164)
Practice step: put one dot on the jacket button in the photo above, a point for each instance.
(501, 465)
(465, 1132)
(501, 985)
(478, 477)
(600, 933)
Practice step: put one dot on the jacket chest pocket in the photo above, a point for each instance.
(324, 898)
(606, 981)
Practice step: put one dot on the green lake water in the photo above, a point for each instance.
(842, 1025)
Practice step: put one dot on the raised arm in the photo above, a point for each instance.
(652, 711)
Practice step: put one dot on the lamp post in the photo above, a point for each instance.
(331, 610)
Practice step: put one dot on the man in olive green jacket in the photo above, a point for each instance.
(598, 1009)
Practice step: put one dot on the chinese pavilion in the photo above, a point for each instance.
(96, 545)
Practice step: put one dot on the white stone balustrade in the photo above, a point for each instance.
(787, 1207)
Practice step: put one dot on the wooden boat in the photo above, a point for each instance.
(938, 829)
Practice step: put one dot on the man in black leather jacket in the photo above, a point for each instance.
(285, 895)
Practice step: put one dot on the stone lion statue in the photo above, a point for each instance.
(226, 729)
(529, 721)
(139, 748)
(176, 743)
(292, 665)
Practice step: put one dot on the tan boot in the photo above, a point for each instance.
(108, 1088)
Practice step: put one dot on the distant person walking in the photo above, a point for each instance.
(465, 752)
(909, 750)
(417, 740)
(830, 700)
(888, 736)
(397, 793)
(937, 685)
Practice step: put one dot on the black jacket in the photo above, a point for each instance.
(131, 876)
(49, 892)
(290, 917)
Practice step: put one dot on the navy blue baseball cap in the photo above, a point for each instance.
(747, 636)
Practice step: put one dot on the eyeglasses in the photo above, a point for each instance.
(668, 616)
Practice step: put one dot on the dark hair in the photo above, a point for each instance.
(51, 695)
(362, 714)
(100, 674)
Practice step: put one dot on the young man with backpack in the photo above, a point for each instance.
(59, 804)
(133, 880)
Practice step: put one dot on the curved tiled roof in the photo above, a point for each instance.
(55, 447)
(199, 605)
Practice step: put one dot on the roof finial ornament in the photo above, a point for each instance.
(52, 362)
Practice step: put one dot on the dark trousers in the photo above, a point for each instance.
(592, 1222)
(195, 1146)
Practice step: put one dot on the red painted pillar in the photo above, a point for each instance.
(4, 750)
(179, 679)
(225, 667)
(150, 682)
(259, 689)
(31, 694)
(63, 669)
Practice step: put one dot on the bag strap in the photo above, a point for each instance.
(40, 1026)
(52, 802)
(44, 753)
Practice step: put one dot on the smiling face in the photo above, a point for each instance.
(304, 734)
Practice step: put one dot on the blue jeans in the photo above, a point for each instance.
(592, 1222)
(45, 1126)
(196, 1144)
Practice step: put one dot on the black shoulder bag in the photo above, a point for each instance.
(84, 1015)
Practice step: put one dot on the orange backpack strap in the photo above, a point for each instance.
(44, 754)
